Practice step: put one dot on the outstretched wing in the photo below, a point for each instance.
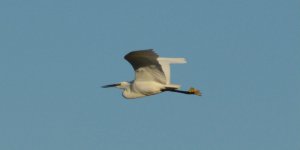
(146, 66)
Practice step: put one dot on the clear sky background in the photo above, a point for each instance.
(244, 55)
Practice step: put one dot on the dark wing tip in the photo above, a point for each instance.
(142, 58)
(137, 53)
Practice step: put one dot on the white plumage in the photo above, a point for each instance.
(152, 75)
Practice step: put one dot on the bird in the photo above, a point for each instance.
(152, 75)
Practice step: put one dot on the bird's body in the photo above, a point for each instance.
(152, 75)
(142, 88)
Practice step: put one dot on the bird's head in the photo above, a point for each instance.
(121, 85)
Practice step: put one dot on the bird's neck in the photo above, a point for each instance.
(127, 91)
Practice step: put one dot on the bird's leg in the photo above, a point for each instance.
(190, 91)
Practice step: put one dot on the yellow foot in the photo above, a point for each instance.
(195, 91)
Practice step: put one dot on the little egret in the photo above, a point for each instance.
(152, 75)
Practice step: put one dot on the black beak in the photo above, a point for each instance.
(110, 85)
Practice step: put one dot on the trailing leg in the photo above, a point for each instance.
(190, 91)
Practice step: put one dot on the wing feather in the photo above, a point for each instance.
(146, 65)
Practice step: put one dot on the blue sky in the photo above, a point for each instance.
(243, 55)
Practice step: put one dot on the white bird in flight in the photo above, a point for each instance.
(152, 75)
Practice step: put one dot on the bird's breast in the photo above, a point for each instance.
(131, 95)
